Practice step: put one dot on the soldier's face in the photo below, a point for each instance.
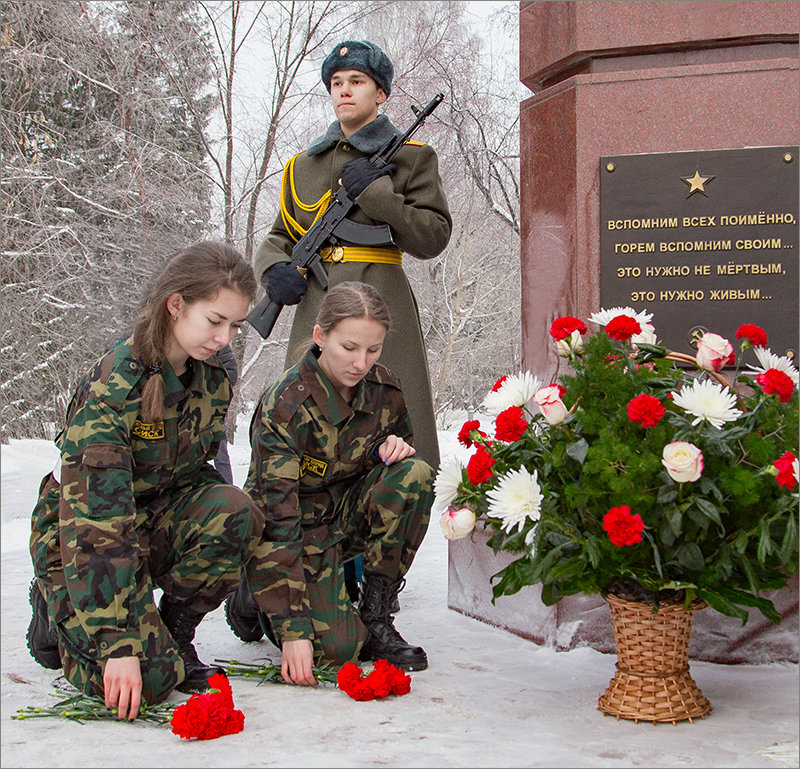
(349, 350)
(201, 328)
(355, 97)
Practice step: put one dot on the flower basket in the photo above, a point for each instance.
(652, 682)
(641, 466)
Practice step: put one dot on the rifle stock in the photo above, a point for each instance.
(333, 226)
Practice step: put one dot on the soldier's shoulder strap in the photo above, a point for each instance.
(383, 376)
(116, 374)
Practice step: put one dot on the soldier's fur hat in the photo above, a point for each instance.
(362, 56)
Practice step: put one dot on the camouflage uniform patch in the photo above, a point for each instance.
(315, 520)
(136, 508)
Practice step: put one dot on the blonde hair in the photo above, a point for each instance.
(198, 272)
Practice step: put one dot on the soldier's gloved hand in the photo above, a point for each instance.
(359, 173)
(284, 284)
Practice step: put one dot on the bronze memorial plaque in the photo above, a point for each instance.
(706, 241)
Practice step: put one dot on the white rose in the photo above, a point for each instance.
(684, 461)
(646, 336)
(714, 352)
(573, 342)
(457, 522)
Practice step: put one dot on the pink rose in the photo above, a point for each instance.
(550, 403)
(457, 523)
(714, 352)
(684, 461)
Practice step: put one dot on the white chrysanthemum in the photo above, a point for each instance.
(445, 485)
(516, 498)
(516, 390)
(769, 360)
(708, 400)
(604, 316)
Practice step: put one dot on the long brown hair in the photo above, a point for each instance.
(198, 272)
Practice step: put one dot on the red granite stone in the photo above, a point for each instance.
(620, 78)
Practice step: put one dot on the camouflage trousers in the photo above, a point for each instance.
(193, 550)
(382, 516)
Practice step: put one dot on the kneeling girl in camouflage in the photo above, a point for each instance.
(134, 503)
(334, 472)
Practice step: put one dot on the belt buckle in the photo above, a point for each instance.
(337, 254)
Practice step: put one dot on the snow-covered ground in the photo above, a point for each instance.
(488, 699)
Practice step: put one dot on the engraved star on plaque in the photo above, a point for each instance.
(696, 183)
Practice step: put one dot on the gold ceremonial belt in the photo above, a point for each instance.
(362, 254)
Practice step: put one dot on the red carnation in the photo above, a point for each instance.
(622, 527)
(210, 715)
(785, 467)
(563, 327)
(774, 380)
(510, 424)
(623, 327)
(499, 383)
(465, 434)
(754, 334)
(479, 467)
(385, 679)
(646, 410)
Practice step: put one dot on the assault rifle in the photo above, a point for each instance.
(333, 227)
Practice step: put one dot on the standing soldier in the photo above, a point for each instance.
(334, 473)
(134, 502)
(407, 195)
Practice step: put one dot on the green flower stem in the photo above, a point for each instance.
(269, 672)
(82, 708)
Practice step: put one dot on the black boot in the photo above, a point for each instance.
(241, 611)
(378, 594)
(182, 621)
(42, 641)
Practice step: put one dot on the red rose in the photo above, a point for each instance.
(466, 436)
(499, 383)
(623, 327)
(785, 467)
(563, 327)
(510, 424)
(646, 410)
(479, 467)
(774, 380)
(755, 334)
(622, 527)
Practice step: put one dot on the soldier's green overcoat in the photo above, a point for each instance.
(131, 505)
(413, 203)
(327, 497)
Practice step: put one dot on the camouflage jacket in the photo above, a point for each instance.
(116, 474)
(309, 445)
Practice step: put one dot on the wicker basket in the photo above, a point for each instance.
(652, 682)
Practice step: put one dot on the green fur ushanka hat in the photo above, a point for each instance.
(360, 55)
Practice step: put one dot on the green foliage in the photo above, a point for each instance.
(725, 537)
